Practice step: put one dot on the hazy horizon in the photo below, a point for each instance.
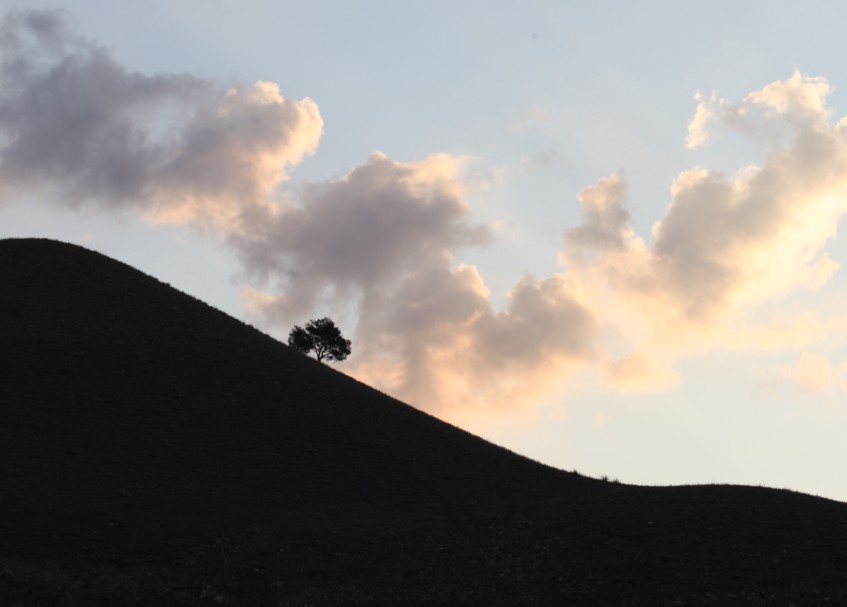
(604, 237)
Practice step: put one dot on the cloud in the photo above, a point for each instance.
(457, 356)
(728, 242)
(361, 234)
(382, 246)
(383, 240)
(81, 128)
(178, 149)
(725, 246)
(606, 223)
(769, 114)
(232, 155)
(697, 135)
(798, 101)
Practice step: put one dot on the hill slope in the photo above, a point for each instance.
(155, 451)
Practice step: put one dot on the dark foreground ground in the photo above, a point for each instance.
(154, 451)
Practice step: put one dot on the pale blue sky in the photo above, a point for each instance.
(541, 100)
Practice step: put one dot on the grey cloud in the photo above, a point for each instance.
(75, 124)
(383, 239)
(436, 299)
(691, 245)
(456, 353)
(606, 222)
(65, 113)
(177, 149)
(363, 232)
(543, 320)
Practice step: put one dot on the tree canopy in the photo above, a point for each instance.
(322, 337)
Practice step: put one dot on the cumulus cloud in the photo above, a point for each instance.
(77, 126)
(383, 244)
(606, 222)
(359, 235)
(455, 355)
(384, 238)
(379, 242)
(769, 114)
(726, 243)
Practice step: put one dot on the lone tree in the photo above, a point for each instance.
(322, 337)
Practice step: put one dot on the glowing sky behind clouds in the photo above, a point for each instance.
(604, 237)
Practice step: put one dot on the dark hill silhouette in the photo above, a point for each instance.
(155, 451)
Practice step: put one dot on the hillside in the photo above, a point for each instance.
(155, 451)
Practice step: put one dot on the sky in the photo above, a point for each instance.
(605, 235)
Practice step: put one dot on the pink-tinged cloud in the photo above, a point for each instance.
(725, 245)
(459, 357)
(233, 155)
(383, 239)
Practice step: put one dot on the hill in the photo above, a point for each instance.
(154, 451)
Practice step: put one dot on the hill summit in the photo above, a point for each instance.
(155, 451)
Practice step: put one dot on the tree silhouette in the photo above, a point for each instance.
(322, 337)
